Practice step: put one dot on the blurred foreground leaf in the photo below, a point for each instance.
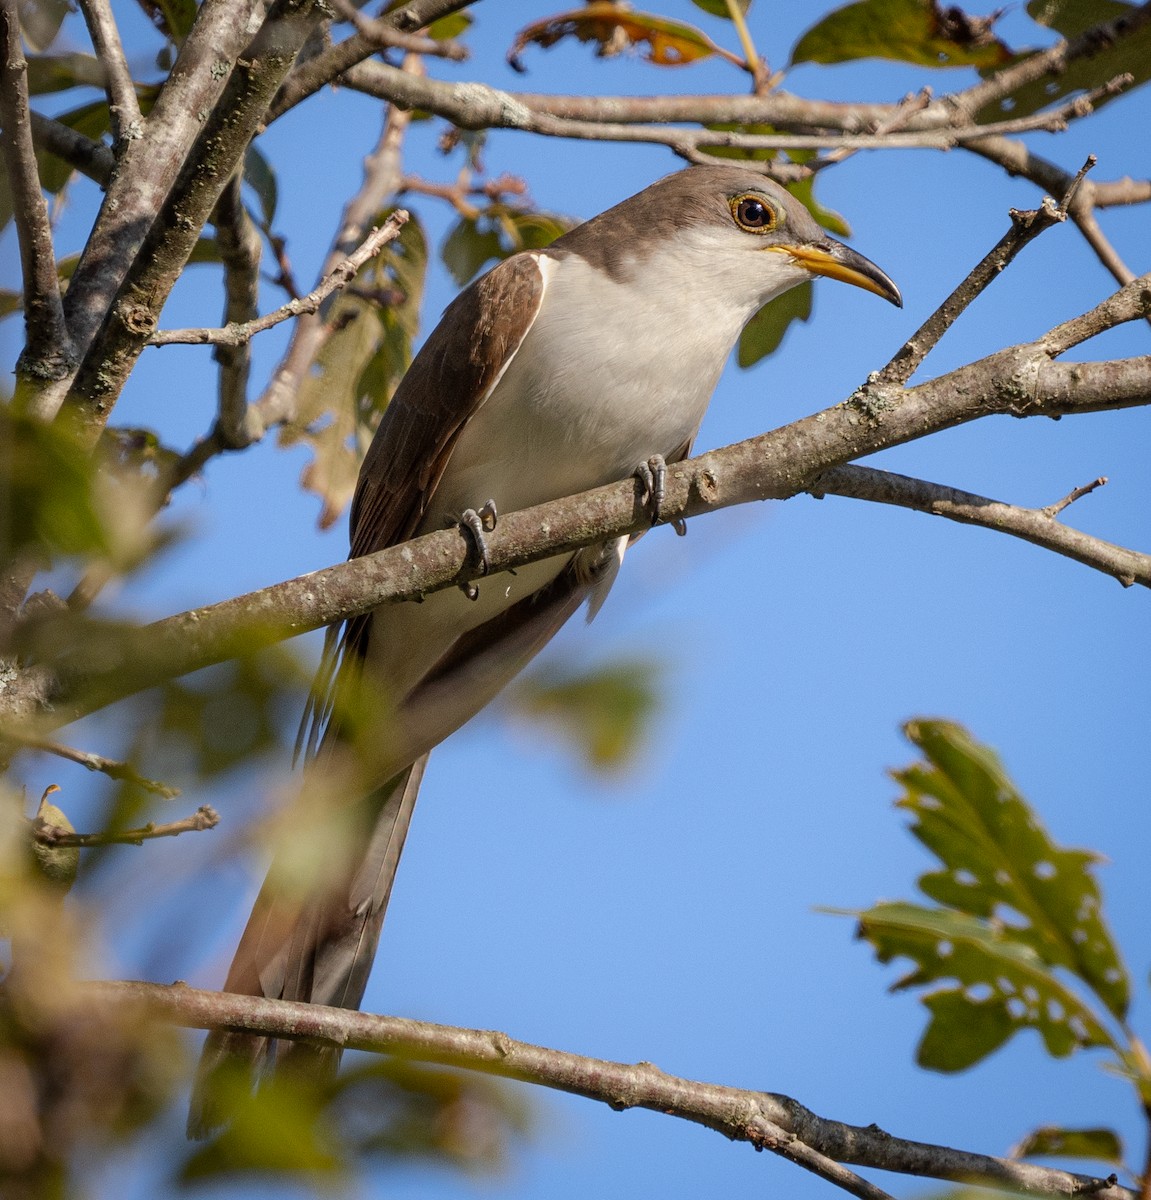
(604, 713)
(47, 497)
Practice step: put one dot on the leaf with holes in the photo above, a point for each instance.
(913, 31)
(1003, 985)
(1110, 57)
(1000, 863)
(615, 28)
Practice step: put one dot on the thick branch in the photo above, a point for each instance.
(1021, 381)
(48, 353)
(173, 233)
(736, 1113)
(1035, 525)
(148, 168)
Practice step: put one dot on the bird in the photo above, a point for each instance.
(558, 371)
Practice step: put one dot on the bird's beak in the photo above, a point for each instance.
(837, 261)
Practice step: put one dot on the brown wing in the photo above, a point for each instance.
(479, 332)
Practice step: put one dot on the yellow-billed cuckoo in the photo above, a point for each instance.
(558, 371)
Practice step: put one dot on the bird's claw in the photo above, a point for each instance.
(478, 522)
(652, 476)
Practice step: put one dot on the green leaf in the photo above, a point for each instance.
(40, 21)
(999, 862)
(496, 233)
(604, 712)
(719, 8)
(58, 72)
(467, 248)
(764, 332)
(1129, 54)
(47, 502)
(913, 31)
(1003, 985)
(173, 18)
(741, 153)
(1051, 1141)
(10, 303)
(804, 191)
(614, 28)
(260, 177)
(451, 26)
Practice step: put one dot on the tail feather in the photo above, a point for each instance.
(316, 948)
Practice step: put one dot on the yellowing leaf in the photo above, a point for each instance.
(615, 28)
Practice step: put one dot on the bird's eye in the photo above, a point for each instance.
(754, 214)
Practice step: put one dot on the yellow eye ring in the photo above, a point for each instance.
(753, 212)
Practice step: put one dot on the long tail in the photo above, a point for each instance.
(313, 945)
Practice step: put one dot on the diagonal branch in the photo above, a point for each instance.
(767, 1120)
(93, 667)
(48, 353)
(1036, 525)
(122, 103)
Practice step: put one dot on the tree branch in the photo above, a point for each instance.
(738, 1114)
(48, 352)
(95, 667)
(122, 103)
(205, 817)
(239, 334)
(113, 768)
(1035, 525)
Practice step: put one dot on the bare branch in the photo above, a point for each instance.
(1026, 225)
(327, 67)
(756, 1117)
(113, 768)
(1035, 525)
(240, 248)
(48, 352)
(148, 167)
(385, 35)
(339, 277)
(205, 817)
(90, 158)
(1053, 510)
(1022, 381)
(122, 103)
(383, 172)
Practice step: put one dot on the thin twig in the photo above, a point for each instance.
(123, 106)
(48, 352)
(1053, 510)
(1035, 525)
(205, 817)
(385, 35)
(113, 768)
(737, 1113)
(1025, 227)
(239, 334)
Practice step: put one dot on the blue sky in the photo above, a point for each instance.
(668, 913)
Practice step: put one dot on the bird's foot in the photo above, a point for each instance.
(652, 476)
(478, 522)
